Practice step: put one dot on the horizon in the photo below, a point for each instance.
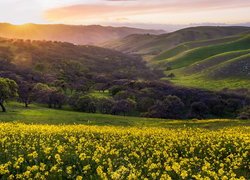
(129, 13)
(160, 27)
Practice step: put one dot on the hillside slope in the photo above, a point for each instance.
(81, 35)
(225, 65)
(156, 44)
(193, 55)
(52, 61)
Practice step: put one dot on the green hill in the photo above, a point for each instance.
(238, 67)
(213, 61)
(156, 44)
(193, 44)
(211, 64)
(227, 70)
(188, 57)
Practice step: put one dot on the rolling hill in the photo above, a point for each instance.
(146, 44)
(204, 57)
(193, 55)
(225, 65)
(80, 35)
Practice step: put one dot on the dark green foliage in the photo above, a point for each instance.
(105, 105)
(171, 107)
(198, 110)
(124, 95)
(171, 75)
(234, 105)
(123, 106)
(8, 90)
(174, 107)
(49, 95)
(83, 103)
(26, 93)
(115, 89)
(144, 103)
(244, 113)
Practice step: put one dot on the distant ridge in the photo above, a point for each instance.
(156, 44)
(77, 34)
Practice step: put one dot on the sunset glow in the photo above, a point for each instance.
(108, 12)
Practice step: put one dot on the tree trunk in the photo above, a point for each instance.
(3, 108)
(26, 104)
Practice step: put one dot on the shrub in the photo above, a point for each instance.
(244, 113)
(198, 110)
(123, 106)
(105, 105)
(83, 103)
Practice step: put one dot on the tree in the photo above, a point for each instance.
(234, 104)
(198, 110)
(83, 103)
(8, 89)
(101, 87)
(171, 75)
(244, 113)
(105, 105)
(49, 95)
(156, 111)
(42, 92)
(144, 103)
(115, 89)
(123, 106)
(174, 107)
(124, 95)
(25, 91)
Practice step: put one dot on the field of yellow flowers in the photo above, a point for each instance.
(95, 152)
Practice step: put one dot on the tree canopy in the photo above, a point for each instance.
(8, 89)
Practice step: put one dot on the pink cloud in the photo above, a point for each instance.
(131, 7)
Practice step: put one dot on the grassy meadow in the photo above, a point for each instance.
(37, 114)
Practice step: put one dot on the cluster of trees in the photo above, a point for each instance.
(27, 93)
(105, 105)
(159, 99)
(154, 99)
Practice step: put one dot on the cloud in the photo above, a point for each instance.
(116, 9)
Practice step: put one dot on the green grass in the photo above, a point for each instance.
(191, 45)
(99, 95)
(211, 67)
(198, 81)
(198, 54)
(41, 115)
(215, 73)
(212, 62)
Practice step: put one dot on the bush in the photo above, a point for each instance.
(124, 95)
(172, 107)
(144, 103)
(123, 106)
(198, 110)
(244, 113)
(105, 105)
(83, 103)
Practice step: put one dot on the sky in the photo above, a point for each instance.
(125, 12)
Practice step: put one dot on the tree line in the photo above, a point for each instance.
(154, 99)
